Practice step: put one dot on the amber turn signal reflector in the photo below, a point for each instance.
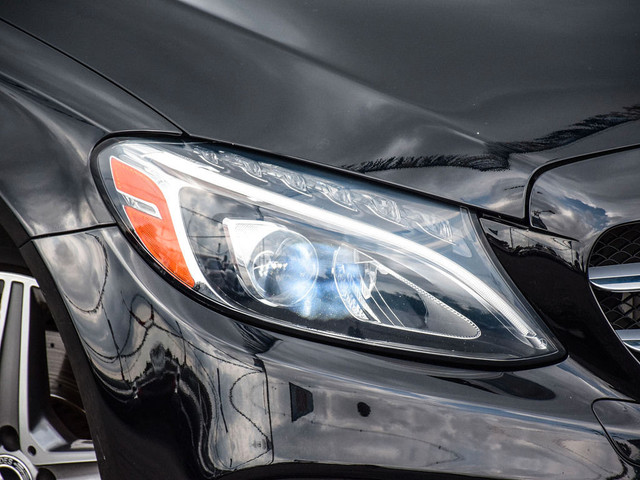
(147, 210)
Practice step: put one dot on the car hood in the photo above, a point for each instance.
(460, 100)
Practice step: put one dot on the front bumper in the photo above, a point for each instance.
(180, 391)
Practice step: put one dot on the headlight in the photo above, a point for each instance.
(317, 252)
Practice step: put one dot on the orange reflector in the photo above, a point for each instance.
(157, 234)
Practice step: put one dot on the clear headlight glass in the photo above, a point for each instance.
(319, 252)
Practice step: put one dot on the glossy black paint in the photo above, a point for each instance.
(621, 421)
(582, 200)
(156, 353)
(473, 97)
(54, 111)
(550, 271)
(465, 102)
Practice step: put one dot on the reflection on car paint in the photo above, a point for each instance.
(144, 355)
(580, 201)
(497, 154)
(551, 269)
(523, 241)
(247, 397)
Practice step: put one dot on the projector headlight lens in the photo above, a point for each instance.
(276, 266)
(318, 252)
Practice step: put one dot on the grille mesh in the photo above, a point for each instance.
(619, 245)
(622, 309)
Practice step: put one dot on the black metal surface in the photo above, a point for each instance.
(621, 421)
(156, 354)
(54, 111)
(583, 200)
(462, 103)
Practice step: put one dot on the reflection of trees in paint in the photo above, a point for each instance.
(496, 155)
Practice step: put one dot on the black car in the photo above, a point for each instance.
(319, 239)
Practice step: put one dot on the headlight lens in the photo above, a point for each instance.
(317, 252)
